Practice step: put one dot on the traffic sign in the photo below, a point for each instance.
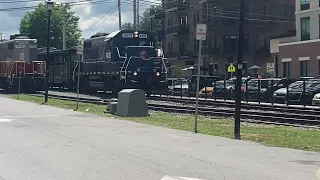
(80, 49)
(201, 33)
(270, 67)
(231, 68)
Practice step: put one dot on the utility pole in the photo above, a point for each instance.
(119, 13)
(239, 72)
(135, 14)
(64, 47)
(138, 19)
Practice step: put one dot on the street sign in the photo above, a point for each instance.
(270, 67)
(80, 49)
(231, 68)
(201, 33)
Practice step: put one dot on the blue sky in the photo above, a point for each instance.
(89, 14)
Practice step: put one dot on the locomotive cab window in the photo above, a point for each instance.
(10, 46)
(87, 45)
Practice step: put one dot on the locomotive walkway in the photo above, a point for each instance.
(39, 142)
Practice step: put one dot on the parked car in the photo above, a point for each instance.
(226, 88)
(204, 81)
(267, 88)
(296, 96)
(206, 91)
(316, 100)
(280, 94)
(180, 86)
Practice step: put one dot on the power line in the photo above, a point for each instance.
(106, 17)
(19, 1)
(220, 14)
(75, 3)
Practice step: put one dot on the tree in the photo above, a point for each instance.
(127, 26)
(34, 25)
(145, 19)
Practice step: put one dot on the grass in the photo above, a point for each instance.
(270, 135)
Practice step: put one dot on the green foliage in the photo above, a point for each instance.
(145, 19)
(177, 72)
(34, 25)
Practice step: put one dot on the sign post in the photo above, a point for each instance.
(80, 54)
(201, 35)
(20, 72)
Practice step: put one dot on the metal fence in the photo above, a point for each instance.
(280, 91)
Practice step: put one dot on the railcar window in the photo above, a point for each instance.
(10, 46)
(87, 45)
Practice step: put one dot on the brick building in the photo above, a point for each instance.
(299, 55)
(263, 21)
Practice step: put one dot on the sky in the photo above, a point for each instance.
(93, 17)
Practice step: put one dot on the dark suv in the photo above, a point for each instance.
(297, 95)
(267, 87)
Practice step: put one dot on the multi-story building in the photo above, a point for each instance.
(299, 55)
(264, 19)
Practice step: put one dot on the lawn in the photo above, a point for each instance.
(270, 135)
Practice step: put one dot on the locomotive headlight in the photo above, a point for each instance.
(158, 74)
(135, 73)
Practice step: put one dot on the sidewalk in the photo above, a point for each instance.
(41, 142)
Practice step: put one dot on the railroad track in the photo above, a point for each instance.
(230, 104)
(276, 116)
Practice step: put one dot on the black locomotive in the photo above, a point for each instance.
(121, 60)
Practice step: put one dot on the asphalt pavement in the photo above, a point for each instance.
(39, 142)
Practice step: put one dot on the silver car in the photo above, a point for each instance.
(316, 100)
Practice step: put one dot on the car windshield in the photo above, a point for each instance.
(263, 82)
(230, 83)
(314, 84)
(296, 84)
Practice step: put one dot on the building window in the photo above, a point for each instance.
(170, 22)
(305, 28)
(286, 69)
(189, 63)
(304, 4)
(205, 11)
(244, 68)
(288, 10)
(319, 65)
(184, 20)
(182, 48)
(304, 68)
(170, 45)
(216, 67)
(276, 61)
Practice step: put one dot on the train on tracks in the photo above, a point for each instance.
(111, 62)
(19, 66)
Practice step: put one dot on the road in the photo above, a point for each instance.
(38, 142)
